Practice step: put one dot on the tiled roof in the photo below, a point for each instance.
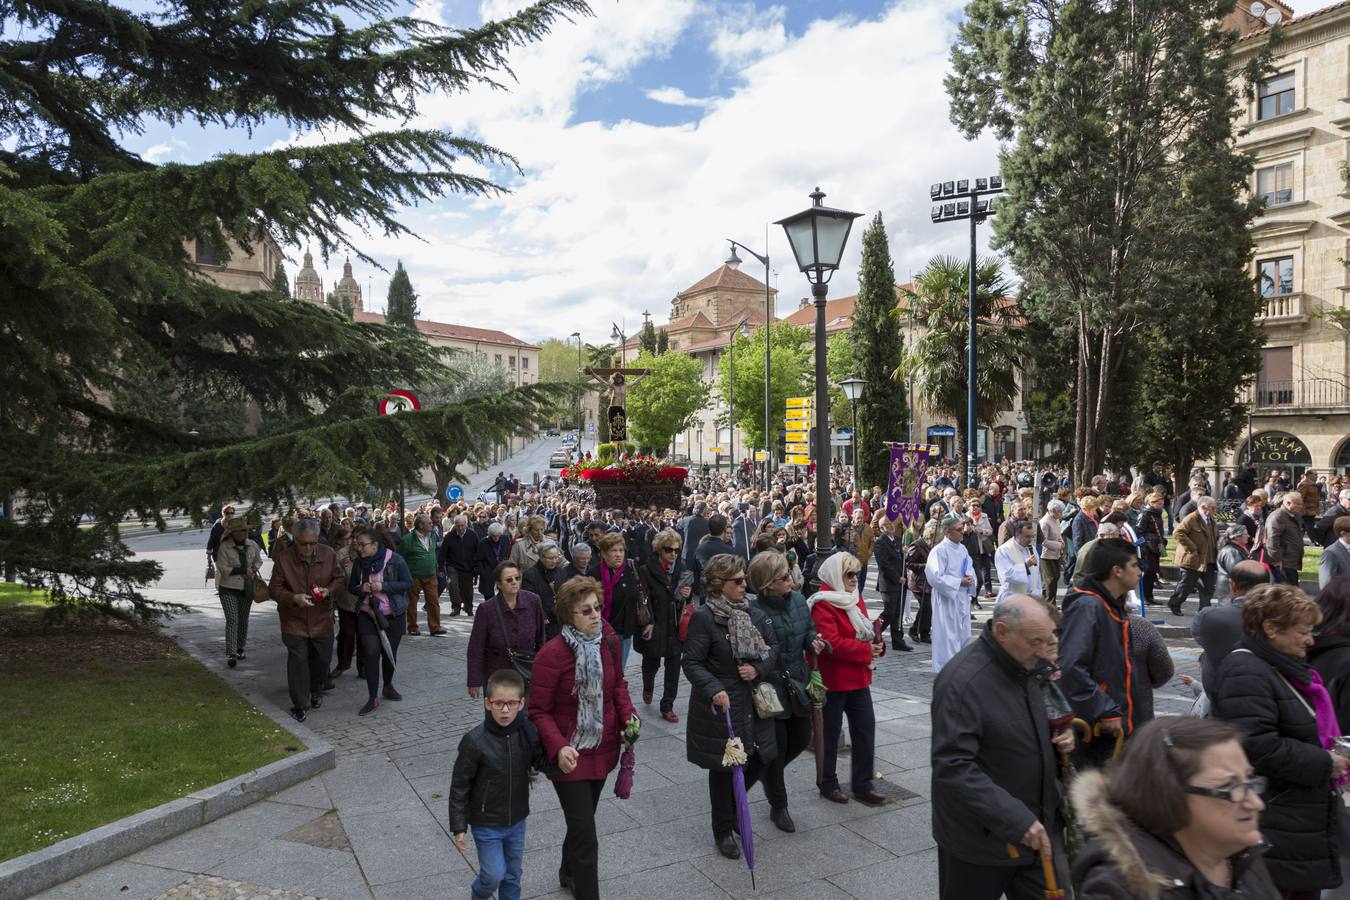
(725, 277)
(1296, 20)
(451, 331)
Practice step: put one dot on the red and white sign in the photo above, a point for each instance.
(398, 402)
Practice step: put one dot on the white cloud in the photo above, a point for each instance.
(159, 151)
(763, 35)
(673, 96)
(613, 219)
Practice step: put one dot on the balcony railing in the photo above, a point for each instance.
(1300, 393)
(1283, 306)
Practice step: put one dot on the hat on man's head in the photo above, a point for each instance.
(238, 523)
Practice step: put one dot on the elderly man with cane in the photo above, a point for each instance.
(995, 791)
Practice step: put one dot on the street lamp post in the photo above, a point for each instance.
(742, 329)
(700, 446)
(817, 235)
(954, 200)
(581, 407)
(622, 338)
(853, 388)
(768, 342)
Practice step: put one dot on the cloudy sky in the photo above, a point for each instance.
(654, 131)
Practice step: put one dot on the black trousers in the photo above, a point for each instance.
(346, 638)
(960, 880)
(373, 654)
(581, 846)
(922, 628)
(862, 576)
(862, 729)
(893, 608)
(1150, 566)
(307, 661)
(1190, 578)
(722, 796)
(793, 734)
(651, 663)
(463, 591)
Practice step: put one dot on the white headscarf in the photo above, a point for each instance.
(832, 573)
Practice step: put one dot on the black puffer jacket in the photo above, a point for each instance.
(1330, 656)
(794, 632)
(490, 784)
(544, 584)
(1280, 737)
(628, 593)
(710, 667)
(666, 606)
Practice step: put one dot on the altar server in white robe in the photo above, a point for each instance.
(951, 575)
(1019, 572)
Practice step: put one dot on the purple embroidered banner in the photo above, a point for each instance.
(904, 489)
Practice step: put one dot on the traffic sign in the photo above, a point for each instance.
(798, 448)
(717, 450)
(454, 492)
(797, 460)
(761, 456)
(395, 402)
(799, 402)
(798, 415)
(797, 437)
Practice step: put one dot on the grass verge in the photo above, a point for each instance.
(1311, 557)
(103, 720)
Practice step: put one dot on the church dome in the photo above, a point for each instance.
(308, 285)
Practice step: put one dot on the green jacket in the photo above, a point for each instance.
(421, 560)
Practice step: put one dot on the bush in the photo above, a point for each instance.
(609, 452)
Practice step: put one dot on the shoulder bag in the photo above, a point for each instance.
(522, 661)
(643, 612)
(797, 702)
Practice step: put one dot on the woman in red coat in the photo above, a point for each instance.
(841, 621)
(579, 703)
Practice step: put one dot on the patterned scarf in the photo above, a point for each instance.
(746, 641)
(590, 686)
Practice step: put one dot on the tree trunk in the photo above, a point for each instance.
(1082, 395)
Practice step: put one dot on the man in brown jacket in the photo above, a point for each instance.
(1311, 492)
(1284, 537)
(305, 576)
(1197, 555)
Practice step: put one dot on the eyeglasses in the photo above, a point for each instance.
(362, 545)
(670, 549)
(588, 610)
(510, 579)
(505, 705)
(1236, 794)
(783, 576)
(739, 579)
(850, 576)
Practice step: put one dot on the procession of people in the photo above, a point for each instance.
(728, 601)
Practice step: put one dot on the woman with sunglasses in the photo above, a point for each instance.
(1178, 817)
(840, 616)
(668, 590)
(787, 613)
(1268, 690)
(580, 705)
(513, 619)
(729, 647)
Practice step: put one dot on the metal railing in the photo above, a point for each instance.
(1295, 393)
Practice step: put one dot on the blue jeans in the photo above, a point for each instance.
(501, 859)
(625, 648)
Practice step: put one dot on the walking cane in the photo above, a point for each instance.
(1052, 891)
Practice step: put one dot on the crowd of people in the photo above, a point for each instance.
(727, 598)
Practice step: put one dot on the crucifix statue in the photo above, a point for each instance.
(619, 380)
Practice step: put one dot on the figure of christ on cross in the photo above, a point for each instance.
(619, 380)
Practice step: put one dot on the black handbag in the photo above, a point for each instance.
(521, 660)
(798, 704)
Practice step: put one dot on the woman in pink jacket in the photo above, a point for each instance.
(579, 703)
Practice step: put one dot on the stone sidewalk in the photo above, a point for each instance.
(375, 826)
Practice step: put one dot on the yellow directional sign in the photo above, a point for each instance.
(717, 450)
(799, 402)
(798, 448)
(798, 415)
(797, 436)
(761, 456)
(797, 460)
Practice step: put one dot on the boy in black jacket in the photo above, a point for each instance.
(490, 787)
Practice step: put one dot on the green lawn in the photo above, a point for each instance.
(102, 721)
(1311, 556)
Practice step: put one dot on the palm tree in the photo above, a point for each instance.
(937, 359)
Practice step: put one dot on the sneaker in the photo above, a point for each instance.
(229, 661)
(315, 701)
(391, 694)
(371, 705)
(239, 654)
(413, 631)
(298, 714)
(440, 631)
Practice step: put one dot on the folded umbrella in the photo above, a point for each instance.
(815, 690)
(623, 782)
(381, 624)
(735, 758)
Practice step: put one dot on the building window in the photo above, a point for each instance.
(206, 253)
(1274, 184)
(512, 361)
(1275, 383)
(499, 359)
(525, 360)
(675, 345)
(1275, 96)
(1276, 276)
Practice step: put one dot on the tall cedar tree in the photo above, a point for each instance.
(96, 282)
(1108, 112)
(401, 304)
(882, 411)
(662, 342)
(280, 283)
(647, 338)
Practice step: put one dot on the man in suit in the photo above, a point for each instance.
(1197, 555)
(693, 528)
(1336, 558)
(741, 529)
(1324, 532)
(891, 575)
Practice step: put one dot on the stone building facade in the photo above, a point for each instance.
(1296, 127)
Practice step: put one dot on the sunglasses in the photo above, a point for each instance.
(739, 579)
(510, 579)
(588, 610)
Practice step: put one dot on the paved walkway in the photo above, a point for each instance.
(375, 827)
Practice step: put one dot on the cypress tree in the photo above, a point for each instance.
(647, 342)
(877, 349)
(401, 306)
(280, 284)
(662, 342)
(94, 274)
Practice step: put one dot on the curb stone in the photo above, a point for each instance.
(35, 872)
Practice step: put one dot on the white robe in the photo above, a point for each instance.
(947, 564)
(1010, 560)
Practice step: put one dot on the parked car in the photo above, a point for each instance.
(559, 461)
(553, 432)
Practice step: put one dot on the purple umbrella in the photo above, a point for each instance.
(623, 782)
(734, 757)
